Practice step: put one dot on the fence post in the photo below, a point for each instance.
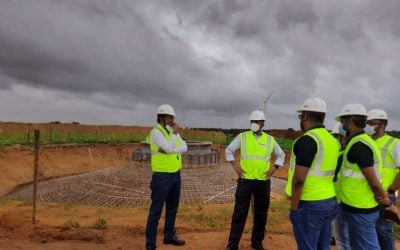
(29, 134)
(35, 174)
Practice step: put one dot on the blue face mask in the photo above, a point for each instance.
(342, 131)
(370, 129)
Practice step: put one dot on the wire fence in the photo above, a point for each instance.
(50, 137)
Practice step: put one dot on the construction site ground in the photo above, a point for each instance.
(202, 226)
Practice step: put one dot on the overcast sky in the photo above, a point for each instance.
(114, 62)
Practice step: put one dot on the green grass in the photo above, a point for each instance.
(100, 224)
(26, 138)
(203, 217)
(57, 137)
(285, 143)
(71, 223)
(229, 138)
(4, 202)
(206, 216)
(214, 138)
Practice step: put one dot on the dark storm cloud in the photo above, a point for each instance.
(218, 59)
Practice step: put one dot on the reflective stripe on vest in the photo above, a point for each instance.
(386, 153)
(318, 184)
(165, 162)
(354, 189)
(386, 144)
(350, 172)
(316, 171)
(255, 154)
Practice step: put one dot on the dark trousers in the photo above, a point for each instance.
(165, 188)
(261, 192)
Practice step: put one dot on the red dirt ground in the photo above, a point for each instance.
(125, 231)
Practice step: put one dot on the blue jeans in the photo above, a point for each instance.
(312, 223)
(165, 188)
(384, 229)
(341, 231)
(362, 231)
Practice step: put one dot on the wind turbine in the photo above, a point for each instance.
(265, 102)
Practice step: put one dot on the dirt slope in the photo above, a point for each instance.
(16, 163)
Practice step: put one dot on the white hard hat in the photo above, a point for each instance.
(166, 109)
(313, 105)
(257, 116)
(335, 129)
(378, 114)
(352, 109)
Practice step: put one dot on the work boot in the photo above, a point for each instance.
(231, 247)
(150, 248)
(174, 241)
(257, 246)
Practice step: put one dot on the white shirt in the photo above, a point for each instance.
(157, 138)
(396, 154)
(235, 145)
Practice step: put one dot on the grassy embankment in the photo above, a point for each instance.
(53, 137)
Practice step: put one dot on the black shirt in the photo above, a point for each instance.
(305, 149)
(360, 154)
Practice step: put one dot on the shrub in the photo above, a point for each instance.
(100, 224)
(71, 223)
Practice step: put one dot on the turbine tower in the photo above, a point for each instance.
(266, 101)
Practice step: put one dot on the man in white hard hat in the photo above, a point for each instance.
(254, 172)
(310, 178)
(339, 225)
(166, 147)
(390, 147)
(361, 192)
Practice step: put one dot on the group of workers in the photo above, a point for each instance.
(347, 183)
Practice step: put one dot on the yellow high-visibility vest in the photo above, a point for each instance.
(354, 188)
(336, 184)
(255, 154)
(318, 184)
(163, 162)
(386, 145)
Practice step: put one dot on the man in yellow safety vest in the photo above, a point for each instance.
(256, 148)
(390, 150)
(166, 147)
(359, 184)
(310, 179)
